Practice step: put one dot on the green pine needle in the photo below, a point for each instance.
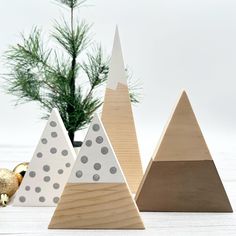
(51, 77)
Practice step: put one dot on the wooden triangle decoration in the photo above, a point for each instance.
(96, 195)
(182, 176)
(117, 117)
(49, 167)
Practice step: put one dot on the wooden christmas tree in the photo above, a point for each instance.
(118, 118)
(182, 176)
(49, 168)
(96, 195)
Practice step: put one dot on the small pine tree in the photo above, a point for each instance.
(52, 77)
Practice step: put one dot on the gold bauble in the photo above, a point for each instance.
(20, 170)
(8, 185)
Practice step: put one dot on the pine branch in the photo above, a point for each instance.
(96, 67)
(74, 41)
(30, 72)
(135, 88)
(52, 79)
(72, 3)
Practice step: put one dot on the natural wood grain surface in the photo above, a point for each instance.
(117, 117)
(182, 138)
(186, 186)
(34, 220)
(96, 206)
(182, 175)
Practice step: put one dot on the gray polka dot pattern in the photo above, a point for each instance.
(44, 141)
(50, 167)
(37, 189)
(96, 177)
(53, 124)
(53, 150)
(79, 174)
(67, 164)
(46, 168)
(64, 153)
(84, 159)
(32, 174)
(99, 139)
(56, 186)
(22, 199)
(60, 171)
(42, 199)
(104, 150)
(97, 166)
(97, 162)
(88, 143)
(55, 199)
(39, 154)
(27, 188)
(113, 170)
(47, 178)
(54, 134)
(96, 127)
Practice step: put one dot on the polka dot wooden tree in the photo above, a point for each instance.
(49, 168)
(96, 195)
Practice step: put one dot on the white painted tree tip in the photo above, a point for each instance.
(97, 162)
(117, 73)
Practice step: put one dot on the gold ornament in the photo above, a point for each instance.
(20, 170)
(8, 185)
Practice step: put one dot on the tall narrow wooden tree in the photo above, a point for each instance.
(118, 120)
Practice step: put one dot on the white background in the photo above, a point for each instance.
(168, 44)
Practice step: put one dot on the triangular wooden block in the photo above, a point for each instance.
(182, 176)
(49, 168)
(96, 195)
(118, 118)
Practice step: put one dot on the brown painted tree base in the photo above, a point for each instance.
(182, 186)
(96, 206)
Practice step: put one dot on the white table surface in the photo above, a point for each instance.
(34, 221)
